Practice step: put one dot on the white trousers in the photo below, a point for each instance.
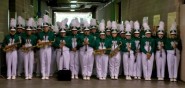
(86, 61)
(173, 63)
(28, 63)
(114, 65)
(147, 65)
(74, 62)
(63, 58)
(11, 62)
(160, 63)
(128, 63)
(20, 62)
(45, 60)
(101, 65)
(137, 65)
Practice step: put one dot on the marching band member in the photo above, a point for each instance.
(93, 28)
(115, 59)
(160, 52)
(108, 30)
(173, 53)
(128, 48)
(62, 44)
(20, 30)
(86, 53)
(28, 43)
(147, 48)
(74, 47)
(45, 40)
(138, 61)
(101, 54)
(10, 44)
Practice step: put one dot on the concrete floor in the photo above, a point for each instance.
(93, 83)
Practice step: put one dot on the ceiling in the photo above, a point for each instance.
(80, 5)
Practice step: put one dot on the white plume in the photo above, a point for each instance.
(86, 24)
(128, 27)
(12, 22)
(109, 24)
(102, 26)
(40, 22)
(73, 22)
(131, 24)
(174, 26)
(121, 27)
(145, 20)
(20, 20)
(146, 26)
(136, 25)
(114, 25)
(30, 22)
(46, 19)
(161, 26)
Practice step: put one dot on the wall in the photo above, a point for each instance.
(182, 31)
(3, 18)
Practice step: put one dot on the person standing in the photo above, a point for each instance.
(147, 48)
(28, 43)
(160, 52)
(10, 45)
(45, 40)
(173, 53)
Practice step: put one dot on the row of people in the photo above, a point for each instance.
(77, 49)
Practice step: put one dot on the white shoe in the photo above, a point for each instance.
(30, 77)
(27, 77)
(149, 79)
(13, 77)
(159, 78)
(126, 78)
(72, 77)
(9, 77)
(135, 77)
(84, 78)
(88, 78)
(112, 77)
(116, 78)
(138, 77)
(43, 78)
(175, 80)
(146, 79)
(104, 78)
(46, 77)
(171, 80)
(100, 78)
(129, 78)
(76, 77)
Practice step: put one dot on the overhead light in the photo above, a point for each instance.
(72, 10)
(73, 6)
(73, 1)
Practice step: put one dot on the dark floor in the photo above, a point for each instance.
(93, 83)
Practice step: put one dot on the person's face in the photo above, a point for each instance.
(86, 32)
(12, 32)
(102, 36)
(74, 32)
(108, 33)
(136, 34)
(128, 37)
(114, 34)
(160, 35)
(19, 30)
(148, 35)
(46, 28)
(122, 35)
(93, 30)
(29, 32)
(63, 34)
